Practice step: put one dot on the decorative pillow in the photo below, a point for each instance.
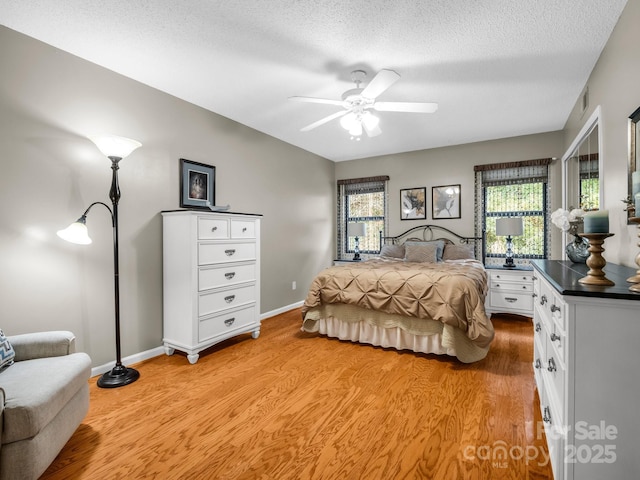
(438, 243)
(457, 252)
(393, 251)
(420, 252)
(6, 352)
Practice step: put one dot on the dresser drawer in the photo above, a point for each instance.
(209, 253)
(499, 285)
(554, 370)
(215, 301)
(214, 277)
(213, 228)
(516, 277)
(511, 300)
(243, 229)
(214, 326)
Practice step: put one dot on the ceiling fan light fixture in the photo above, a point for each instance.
(356, 129)
(370, 121)
(349, 121)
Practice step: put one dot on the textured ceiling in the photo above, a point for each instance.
(497, 68)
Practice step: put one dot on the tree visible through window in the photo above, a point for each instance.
(362, 200)
(516, 189)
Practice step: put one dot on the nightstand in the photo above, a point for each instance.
(345, 261)
(510, 291)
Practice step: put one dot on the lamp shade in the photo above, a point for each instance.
(77, 232)
(356, 229)
(113, 146)
(509, 226)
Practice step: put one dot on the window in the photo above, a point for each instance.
(517, 189)
(362, 200)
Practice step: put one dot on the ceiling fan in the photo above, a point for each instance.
(357, 103)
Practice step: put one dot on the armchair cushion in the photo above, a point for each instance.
(29, 346)
(7, 353)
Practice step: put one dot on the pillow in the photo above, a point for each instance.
(393, 251)
(421, 252)
(457, 252)
(6, 352)
(438, 243)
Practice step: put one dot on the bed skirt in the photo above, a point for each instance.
(348, 322)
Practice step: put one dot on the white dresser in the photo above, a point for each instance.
(211, 279)
(586, 366)
(510, 291)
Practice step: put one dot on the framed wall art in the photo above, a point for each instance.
(197, 184)
(445, 201)
(413, 203)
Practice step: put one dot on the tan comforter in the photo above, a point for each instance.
(451, 292)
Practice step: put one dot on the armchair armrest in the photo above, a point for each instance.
(43, 344)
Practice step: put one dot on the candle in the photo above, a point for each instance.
(596, 221)
(635, 184)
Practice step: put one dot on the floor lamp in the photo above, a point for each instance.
(115, 148)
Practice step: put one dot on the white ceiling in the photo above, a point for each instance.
(497, 68)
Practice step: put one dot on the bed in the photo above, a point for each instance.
(425, 292)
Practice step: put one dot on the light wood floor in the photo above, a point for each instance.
(291, 405)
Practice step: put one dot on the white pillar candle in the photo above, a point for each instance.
(596, 221)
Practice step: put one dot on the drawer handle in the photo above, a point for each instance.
(543, 299)
(534, 295)
(538, 327)
(538, 364)
(555, 308)
(552, 365)
(230, 252)
(546, 417)
(497, 285)
(511, 299)
(524, 278)
(229, 275)
(524, 287)
(213, 229)
(497, 276)
(555, 337)
(534, 278)
(244, 229)
(230, 298)
(229, 322)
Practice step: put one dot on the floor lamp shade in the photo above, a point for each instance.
(115, 148)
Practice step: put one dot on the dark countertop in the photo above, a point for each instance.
(564, 276)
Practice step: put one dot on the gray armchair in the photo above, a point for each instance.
(45, 396)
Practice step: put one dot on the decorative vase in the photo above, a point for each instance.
(578, 250)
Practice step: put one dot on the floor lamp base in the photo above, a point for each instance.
(118, 376)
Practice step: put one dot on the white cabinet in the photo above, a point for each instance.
(211, 279)
(510, 291)
(586, 357)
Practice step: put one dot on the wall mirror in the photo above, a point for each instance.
(634, 157)
(581, 167)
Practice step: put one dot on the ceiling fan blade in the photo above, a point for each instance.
(383, 80)
(317, 100)
(410, 107)
(324, 120)
(372, 132)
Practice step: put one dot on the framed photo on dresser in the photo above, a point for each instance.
(197, 184)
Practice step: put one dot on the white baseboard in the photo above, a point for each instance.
(135, 358)
(154, 352)
(280, 310)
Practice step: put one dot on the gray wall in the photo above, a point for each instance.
(613, 85)
(453, 165)
(49, 102)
